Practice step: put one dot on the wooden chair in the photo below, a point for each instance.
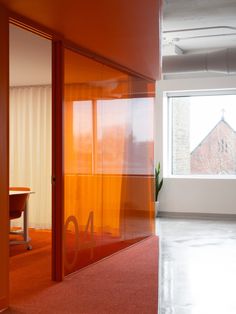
(17, 207)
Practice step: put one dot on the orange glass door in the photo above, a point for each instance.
(4, 159)
(107, 160)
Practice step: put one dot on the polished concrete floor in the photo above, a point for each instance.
(197, 273)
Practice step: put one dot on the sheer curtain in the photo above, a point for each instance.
(30, 149)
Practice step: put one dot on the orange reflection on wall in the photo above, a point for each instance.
(108, 160)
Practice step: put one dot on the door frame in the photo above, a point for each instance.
(57, 160)
(4, 158)
(57, 191)
(57, 83)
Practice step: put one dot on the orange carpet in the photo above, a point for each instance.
(39, 239)
(125, 282)
(30, 271)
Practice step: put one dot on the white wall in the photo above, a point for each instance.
(191, 195)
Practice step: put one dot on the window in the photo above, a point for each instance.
(202, 134)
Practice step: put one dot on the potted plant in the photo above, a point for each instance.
(158, 186)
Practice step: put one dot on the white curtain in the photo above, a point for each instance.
(30, 149)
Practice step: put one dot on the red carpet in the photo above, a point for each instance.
(123, 283)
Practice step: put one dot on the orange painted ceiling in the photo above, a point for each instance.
(124, 31)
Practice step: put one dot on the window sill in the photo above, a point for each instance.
(212, 177)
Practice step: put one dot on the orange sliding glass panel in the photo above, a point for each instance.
(108, 160)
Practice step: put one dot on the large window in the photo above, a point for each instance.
(202, 134)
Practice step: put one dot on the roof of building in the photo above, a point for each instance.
(222, 120)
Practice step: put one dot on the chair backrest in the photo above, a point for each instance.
(17, 202)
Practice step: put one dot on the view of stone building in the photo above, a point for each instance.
(216, 154)
(180, 135)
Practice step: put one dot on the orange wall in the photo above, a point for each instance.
(125, 31)
(4, 176)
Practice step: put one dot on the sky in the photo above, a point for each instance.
(206, 112)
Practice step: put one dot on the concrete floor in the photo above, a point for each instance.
(197, 273)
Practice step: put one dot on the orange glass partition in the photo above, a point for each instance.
(108, 160)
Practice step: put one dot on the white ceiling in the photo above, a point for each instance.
(30, 58)
(217, 18)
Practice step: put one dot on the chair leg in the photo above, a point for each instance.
(25, 228)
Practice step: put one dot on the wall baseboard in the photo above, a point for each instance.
(183, 215)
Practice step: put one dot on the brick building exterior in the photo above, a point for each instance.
(216, 154)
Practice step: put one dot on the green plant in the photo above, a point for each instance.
(158, 181)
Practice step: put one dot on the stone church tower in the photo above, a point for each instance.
(180, 135)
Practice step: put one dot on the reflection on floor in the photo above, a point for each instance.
(30, 271)
(197, 266)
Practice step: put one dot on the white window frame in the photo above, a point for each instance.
(167, 130)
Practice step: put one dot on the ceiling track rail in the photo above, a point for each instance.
(29, 28)
(111, 63)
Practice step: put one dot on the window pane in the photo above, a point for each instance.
(203, 135)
